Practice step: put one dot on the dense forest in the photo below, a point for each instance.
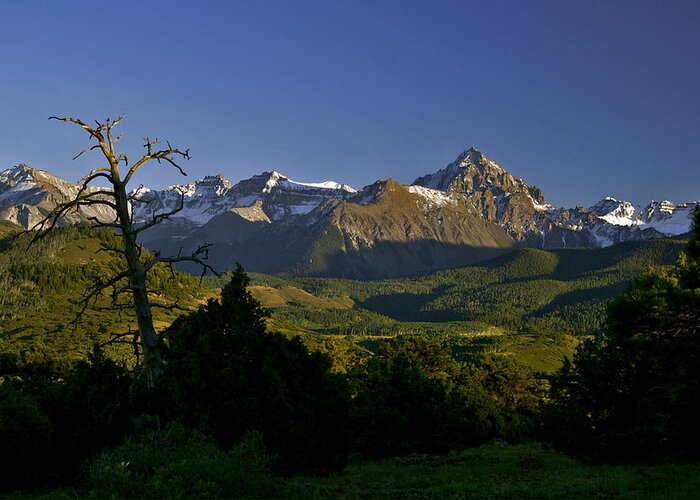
(529, 290)
(337, 383)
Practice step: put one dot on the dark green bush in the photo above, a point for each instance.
(176, 463)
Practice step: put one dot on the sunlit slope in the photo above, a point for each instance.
(42, 286)
(527, 290)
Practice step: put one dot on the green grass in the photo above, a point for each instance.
(499, 471)
(491, 471)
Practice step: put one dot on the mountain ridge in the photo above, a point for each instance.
(469, 210)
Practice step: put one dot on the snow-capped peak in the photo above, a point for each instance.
(616, 212)
(272, 181)
(277, 179)
(669, 218)
(19, 174)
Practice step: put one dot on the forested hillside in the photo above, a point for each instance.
(528, 290)
(43, 284)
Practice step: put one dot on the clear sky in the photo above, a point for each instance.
(585, 99)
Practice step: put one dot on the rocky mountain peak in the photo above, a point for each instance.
(470, 171)
(216, 180)
(27, 195)
(613, 211)
(15, 175)
(20, 170)
(471, 156)
(376, 191)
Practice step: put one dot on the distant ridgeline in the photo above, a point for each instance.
(470, 211)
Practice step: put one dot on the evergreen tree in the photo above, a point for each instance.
(227, 375)
(633, 392)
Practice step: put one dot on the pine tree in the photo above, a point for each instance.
(634, 391)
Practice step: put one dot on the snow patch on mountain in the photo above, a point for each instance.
(434, 196)
(615, 212)
(278, 196)
(669, 218)
(543, 207)
(283, 182)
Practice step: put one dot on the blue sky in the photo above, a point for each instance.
(585, 99)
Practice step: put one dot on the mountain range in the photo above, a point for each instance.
(468, 211)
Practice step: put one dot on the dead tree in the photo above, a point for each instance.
(118, 201)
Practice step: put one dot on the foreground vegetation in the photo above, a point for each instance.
(243, 411)
(490, 471)
(500, 471)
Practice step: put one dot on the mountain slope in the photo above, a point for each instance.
(27, 195)
(394, 232)
(526, 290)
(477, 181)
(468, 211)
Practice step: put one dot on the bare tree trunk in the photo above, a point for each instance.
(117, 200)
(152, 361)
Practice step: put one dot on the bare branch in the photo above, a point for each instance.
(94, 174)
(163, 154)
(98, 223)
(158, 218)
(94, 146)
(93, 293)
(93, 133)
(198, 257)
(133, 279)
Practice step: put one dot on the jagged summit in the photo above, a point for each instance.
(470, 169)
(471, 155)
(492, 191)
(276, 196)
(24, 173)
(27, 195)
(16, 170)
(468, 209)
(616, 212)
(14, 175)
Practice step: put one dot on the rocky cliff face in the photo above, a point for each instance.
(470, 210)
(275, 197)
(28, 195)
(474, 180)
(492, 191)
